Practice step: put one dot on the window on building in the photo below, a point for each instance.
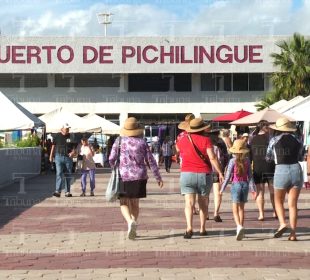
(182, 82)
(240, 82)
(86, 80)
(216, 82)
(207, 82)
(23, 80)
(148, 82)
(256, 82)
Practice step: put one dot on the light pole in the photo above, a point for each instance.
(105, 19)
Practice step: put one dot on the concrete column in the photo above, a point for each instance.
(123, 83)
(122, 117)
(50, 80)
(196, 82)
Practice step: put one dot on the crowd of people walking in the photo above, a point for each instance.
(208, 159)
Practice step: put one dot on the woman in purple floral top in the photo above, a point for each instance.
(135, 156)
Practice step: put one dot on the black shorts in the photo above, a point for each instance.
(133, 189)
(215, 178)
(262, 178)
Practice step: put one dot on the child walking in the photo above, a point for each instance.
(89, 166)
(240, 173)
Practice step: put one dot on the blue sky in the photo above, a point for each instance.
(156, 17)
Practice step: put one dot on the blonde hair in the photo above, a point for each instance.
(240, 164)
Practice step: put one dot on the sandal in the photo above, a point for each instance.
(203, 233)
(280, 232)
(188, 234)
(292, 238)
(217, 219)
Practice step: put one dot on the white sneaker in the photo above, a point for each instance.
(132, 227)
(240, 233)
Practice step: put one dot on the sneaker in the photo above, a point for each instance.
(92, 194)
(132, 227)
(68, 194)
(240, 233)
(82, 194)
(57, 194)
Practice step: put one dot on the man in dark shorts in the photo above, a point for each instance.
(64, 151)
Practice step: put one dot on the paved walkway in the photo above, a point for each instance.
(43, 237)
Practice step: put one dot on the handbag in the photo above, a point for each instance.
(113, 189)
(80, 162)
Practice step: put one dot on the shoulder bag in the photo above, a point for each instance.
(113, 188)
(199, 153)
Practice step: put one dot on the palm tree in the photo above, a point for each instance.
(293, 79)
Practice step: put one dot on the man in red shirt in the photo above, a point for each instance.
(196, 152)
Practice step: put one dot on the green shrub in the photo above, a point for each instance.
(30, 141)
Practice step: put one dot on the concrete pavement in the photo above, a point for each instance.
(43, 237)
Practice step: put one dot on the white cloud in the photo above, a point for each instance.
(221, 17)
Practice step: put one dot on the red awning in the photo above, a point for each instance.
(232, 116)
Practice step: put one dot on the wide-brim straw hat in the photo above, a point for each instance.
(238, 147)
(283, 124)
(185, 124)
(132, 128)
(197, 125)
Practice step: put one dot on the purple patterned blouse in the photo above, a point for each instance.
(135, 153)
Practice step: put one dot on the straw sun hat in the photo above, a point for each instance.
(283, 124)
(239, 147)
(132, 128)
(183, 125)
(197, 125)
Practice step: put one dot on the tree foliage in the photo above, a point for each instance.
(293, 77)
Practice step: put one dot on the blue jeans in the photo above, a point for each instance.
(239, 192)
(192, 182)
(91, 173)
(287, 176)
(63, 172)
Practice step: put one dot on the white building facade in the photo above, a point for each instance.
(156, 79)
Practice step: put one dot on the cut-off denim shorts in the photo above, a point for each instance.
(287, 176)
(239, 192)
(199, 183)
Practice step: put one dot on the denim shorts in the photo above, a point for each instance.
(239, 192)
(287, 176)
(199, 183)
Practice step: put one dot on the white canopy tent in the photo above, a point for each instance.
(16, 117)
(301, 111)
(54, 121)
(107, 127)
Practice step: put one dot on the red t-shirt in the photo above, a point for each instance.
(191, 162)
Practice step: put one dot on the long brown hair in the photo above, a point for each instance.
(240, 164)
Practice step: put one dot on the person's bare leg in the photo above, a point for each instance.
(125, 210)
(279, 196)
(203, 202)
(293, 195)
(241, 213)
(217, 198)
(235, 208)
(271, 193)
(260, 200)
(189, 204)
(134, 208)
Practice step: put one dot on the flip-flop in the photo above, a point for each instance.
(280, 232)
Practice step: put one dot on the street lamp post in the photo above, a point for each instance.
(105, 19)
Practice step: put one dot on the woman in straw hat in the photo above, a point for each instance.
(134, 154)
(239, 168)
(286, 150)
(197, 155)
